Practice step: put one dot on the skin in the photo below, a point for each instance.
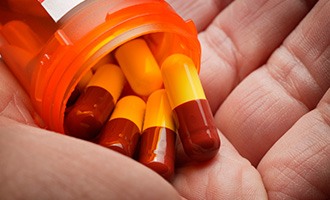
(266, 72)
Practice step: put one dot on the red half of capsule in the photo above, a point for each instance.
(73, 98)
(87, 116)
(120, 135)
(157, 150)
(197, 130)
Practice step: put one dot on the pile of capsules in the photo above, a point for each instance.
(143, 123)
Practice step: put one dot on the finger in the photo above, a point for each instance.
(242, 38)
(37, 164)
(14, 102)
(269, 101)
(227, 176)
(298, 165)
(202, 12)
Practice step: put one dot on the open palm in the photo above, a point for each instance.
(266, 73)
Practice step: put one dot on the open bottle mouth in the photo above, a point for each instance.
(108, 48)
(79, 39)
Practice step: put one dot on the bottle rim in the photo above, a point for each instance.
(75, 60)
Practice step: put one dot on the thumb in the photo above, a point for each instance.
(38, 164)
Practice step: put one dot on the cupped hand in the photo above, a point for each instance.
(266, 73)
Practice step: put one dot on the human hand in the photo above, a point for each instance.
(266, 78)
(266, 73)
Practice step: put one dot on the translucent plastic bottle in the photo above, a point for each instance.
(49, 46)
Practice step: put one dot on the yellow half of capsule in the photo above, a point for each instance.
(111, 78)
(139, 66)
(158, 111)
(181, 80)
(131, 108)
(107, 59)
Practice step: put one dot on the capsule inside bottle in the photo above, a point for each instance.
(122, 132)
(194, 119)
(86, 117)
(139, 66)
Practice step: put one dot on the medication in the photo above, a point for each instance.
(122, 132)
(79, 89)
(49, 46)
(84, 81)
(18, 45)
(107, 59)
(88, 114)
(157, 145)
(195, 122)
(18, 34)
(139, 66)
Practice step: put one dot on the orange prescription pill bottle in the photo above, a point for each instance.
(50, 45)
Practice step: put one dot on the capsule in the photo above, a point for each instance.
(139, 66)
(157, 144)
(107, 59)
(195, 122)
(122, 132)
(79, 88)
(92, 109)
(85, 80)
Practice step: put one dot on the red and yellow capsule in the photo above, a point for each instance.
(195, 122)
(79, 88)
(157, 146)
(139, 66)
(92, 109)
(121, 133)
